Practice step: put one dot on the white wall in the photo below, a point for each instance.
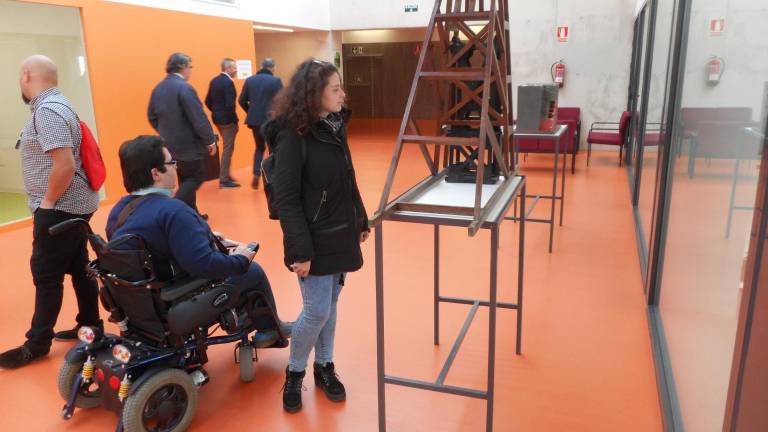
(312, 14)
(743, 46)
(384, 36)
(378, 14)
(597, 54)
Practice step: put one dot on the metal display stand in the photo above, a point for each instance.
(471, 79)
(461, 196)
(554, 136)
(754, 133)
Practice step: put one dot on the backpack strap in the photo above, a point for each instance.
(127, 211)
(34, 127)
(34, 124)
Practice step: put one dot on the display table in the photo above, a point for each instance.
(554, 197)
(452, 204)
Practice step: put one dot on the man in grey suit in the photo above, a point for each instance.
(256, 100)
(176, 113)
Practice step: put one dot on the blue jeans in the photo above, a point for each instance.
(316, 325)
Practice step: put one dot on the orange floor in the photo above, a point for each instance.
(586, 363)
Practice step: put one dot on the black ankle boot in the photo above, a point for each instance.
(327, 380)
(292, 390)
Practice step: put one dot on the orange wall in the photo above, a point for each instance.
(127, 47)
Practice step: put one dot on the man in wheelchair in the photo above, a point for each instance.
(167, 281)
(181, 243)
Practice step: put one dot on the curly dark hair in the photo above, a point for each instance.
(299, 104)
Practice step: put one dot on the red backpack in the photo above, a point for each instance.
(90, 155)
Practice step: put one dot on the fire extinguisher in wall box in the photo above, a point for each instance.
(715, 69)
(558, 73)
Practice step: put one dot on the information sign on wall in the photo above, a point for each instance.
(244, 69)
(411, 8)
(562, 33)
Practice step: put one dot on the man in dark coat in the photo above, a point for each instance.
(176, 113)
(256, 100)
(222, 101)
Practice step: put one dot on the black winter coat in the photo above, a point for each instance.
(321, 212)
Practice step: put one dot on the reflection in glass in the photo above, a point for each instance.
(653, 129)
(640, 74)
(714, 173)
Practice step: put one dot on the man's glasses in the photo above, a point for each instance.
(171, 163)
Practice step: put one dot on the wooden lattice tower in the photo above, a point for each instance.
(485, 25)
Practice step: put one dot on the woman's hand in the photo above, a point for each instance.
(364, 236)
(302, 268)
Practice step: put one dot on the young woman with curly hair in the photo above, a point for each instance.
(321, 214)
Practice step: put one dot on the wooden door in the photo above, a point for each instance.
(359, 84)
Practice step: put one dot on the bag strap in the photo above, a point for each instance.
(127, 211)
(34, 127)
(34, 124)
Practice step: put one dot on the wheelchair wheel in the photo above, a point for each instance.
(164, 403)
(88, 396)
(245, 355)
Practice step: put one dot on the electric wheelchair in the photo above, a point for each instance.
(150, 373)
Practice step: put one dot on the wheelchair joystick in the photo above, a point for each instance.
(254, 246)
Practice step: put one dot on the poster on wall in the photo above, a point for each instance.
(562, 33)
(244, 69)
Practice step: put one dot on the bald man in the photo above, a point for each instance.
(57, 190)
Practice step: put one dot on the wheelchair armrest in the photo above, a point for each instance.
(182, 288)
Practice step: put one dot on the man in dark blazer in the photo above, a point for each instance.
(176, 113)
(222, 101)
(256, 100)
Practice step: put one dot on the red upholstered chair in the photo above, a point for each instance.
(609, 133)
(570, 116)
(569, 143)
(717, 133)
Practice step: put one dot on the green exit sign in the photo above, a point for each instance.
(411, 8)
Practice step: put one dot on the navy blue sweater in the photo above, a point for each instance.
(174, 232)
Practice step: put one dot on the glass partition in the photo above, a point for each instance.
(653, 128)
(27, 29)
(714, 170)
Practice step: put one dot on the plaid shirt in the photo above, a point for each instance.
(55, 126)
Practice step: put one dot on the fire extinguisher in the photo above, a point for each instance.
(558, 72)
(715, 69)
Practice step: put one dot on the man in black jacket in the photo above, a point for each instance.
(176, 113)
(256, 100)
(222, 101)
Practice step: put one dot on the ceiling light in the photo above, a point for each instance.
(280, 29)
